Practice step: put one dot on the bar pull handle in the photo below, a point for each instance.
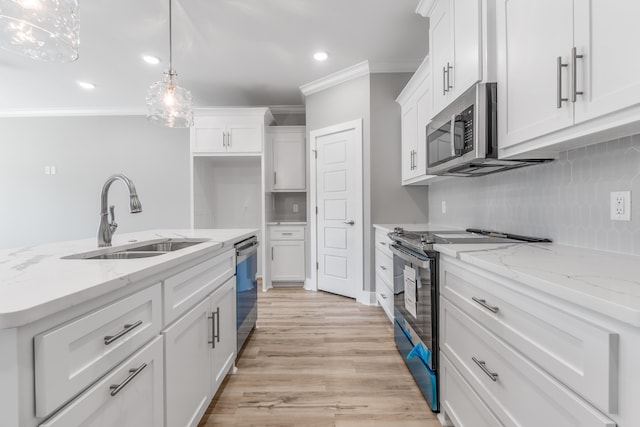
(275, 178)
(383, 296)
(228, 139)
(217, 336)
(574, 65)
(449, 68)
(287, 234)
(224, 138)
(271, 253)
(383, 267)
(482, 365)
(383, 243)
(213, 329)
(127, 328)
(483, 303)
(116, 388)
(560, 66)
(444, 81)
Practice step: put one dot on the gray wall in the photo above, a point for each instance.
(37, 208)
(567, 200)
(372, 98)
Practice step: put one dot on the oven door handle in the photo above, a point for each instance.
(413, 259)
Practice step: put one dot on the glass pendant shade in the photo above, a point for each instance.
(169, 104)
(47, 30)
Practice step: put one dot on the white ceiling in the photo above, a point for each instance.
(227, 52)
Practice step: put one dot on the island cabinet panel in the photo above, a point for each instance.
(70, 357)
(129, 396)
(200, 349)
(185, 289)
(188, 366)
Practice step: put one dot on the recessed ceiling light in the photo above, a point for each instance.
(86, 85)
(153, 60)
(320, 56)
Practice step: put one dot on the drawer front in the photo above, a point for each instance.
(579, 354)
(515, 389)
(71, 357)
(184, 290)
(384, 267)
(286, 233)
(137, 403)
(382, 242)
(463, 406)
(384, 295)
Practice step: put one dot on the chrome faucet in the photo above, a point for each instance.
(107, 228)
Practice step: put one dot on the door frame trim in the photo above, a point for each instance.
(356, 125)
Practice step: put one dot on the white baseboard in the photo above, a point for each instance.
(444, 420)
(367, 298)
(309, 285)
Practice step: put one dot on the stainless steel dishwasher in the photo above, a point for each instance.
(246, 288)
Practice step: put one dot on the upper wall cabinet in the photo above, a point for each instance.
(415, 105)
(559, 83)
(288, 158)
(456, 48)
(229, 131)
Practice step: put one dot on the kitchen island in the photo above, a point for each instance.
(111, 341)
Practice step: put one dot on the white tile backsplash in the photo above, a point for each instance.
(566, 200)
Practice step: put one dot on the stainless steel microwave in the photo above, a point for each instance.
(462, 140)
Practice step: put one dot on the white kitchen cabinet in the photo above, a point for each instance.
(455, 46)
(200, 350)
(288, 148)
(129, 396)
(520, 357)
(384, 273)
(287, 246)
(570, 82)
(229, 131)
(415, 104)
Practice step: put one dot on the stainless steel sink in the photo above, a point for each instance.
(125, 255)
(148, 248)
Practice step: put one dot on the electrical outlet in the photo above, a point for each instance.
(295, 208)
(53, 169)
(444, 207)
(621, 205)
(47, 170)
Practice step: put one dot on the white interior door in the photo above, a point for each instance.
(338, 195)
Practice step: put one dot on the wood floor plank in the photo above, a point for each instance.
(319, 359)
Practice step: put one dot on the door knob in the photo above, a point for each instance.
(349, 222)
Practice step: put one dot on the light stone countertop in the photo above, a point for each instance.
(35, 282)
(388, 228)
(604, 282)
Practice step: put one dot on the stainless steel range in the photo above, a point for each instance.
(415, 283)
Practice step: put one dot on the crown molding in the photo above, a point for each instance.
(287, 109)
(230, 111)
(424, 7)
(408, 66)
(336, 78)
(72, 112)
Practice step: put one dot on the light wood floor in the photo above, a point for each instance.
(318, 359)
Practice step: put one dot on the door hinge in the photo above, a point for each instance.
(317, 266)
(316, 210)
(315, 153)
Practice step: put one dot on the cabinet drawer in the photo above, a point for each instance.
(184, 290)
(579, 354)
(138, 403)
(286, 233)
(384, 295)
(519, 393)
(382, 242)
(384, 267)
(460, 402)
(72, 356)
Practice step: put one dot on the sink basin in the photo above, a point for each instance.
(148, 248)
(167, 246)
(125, 255)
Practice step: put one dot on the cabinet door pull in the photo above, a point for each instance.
(449, 68)
(271, 253)
(228, 139)
(224, 138)
(383, 267)
(444, 81)
(483, 303)
(213, 330)
(560, 66)
(574, 65)
(127, 328)
(275, 178)
(116, 388)
(383, 243)
(217, 336)
(287, 234)
(383, 296)
(482, 365)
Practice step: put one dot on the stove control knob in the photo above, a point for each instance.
(398, 230)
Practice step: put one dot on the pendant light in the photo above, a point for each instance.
(47, 30)
(169, 104)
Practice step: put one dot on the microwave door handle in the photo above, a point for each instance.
(452, 135)
(458, 143)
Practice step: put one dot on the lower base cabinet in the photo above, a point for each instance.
(130, 396)
(200, 350)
